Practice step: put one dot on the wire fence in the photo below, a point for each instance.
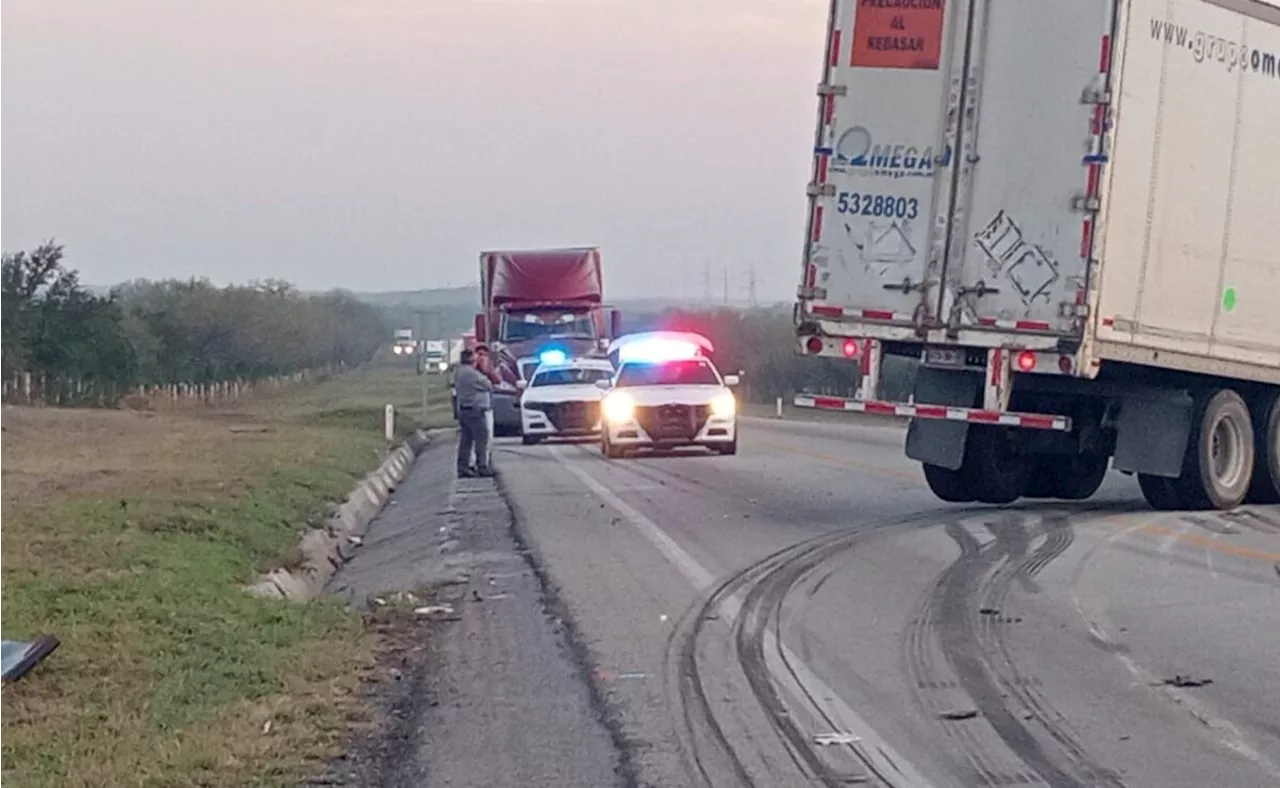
(26, 388)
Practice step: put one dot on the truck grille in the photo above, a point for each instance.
(672, 422)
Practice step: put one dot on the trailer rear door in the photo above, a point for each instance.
(957, 151)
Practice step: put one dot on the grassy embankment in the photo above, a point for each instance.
(128, 534)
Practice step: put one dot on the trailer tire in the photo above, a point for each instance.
(999, 476)
(1079, 476)
(1217, 467)
(1265, 488)
(1161, 492)
(948, 485)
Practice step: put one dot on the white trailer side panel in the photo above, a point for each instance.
(949, 158)
(1190, 244)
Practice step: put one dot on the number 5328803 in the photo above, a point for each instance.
(861, 204)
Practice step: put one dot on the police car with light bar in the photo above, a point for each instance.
(561, 398)
(666, 393)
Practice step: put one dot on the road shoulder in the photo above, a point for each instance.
(479, 678)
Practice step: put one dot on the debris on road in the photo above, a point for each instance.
(959, 715)
(355, 540)
(19, 657)
(835, 737)
(429, 610)
(1185, 682)
(989, 611)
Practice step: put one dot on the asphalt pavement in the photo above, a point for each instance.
(806, 613)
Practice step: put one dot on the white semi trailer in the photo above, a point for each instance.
(1069, 212)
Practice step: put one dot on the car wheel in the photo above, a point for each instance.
(530, 440)
(730, 449)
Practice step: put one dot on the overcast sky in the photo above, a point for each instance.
(377, 144)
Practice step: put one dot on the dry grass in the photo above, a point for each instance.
(128, 534)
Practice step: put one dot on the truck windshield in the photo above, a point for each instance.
(686, 372)
(569, 377)
(517, 328)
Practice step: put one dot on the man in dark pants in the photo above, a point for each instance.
(473, 383)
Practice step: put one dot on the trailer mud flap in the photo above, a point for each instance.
(938, 442)
(1151, 434)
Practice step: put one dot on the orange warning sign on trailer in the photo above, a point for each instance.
(898, 33)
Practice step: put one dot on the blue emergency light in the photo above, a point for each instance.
(554, 356)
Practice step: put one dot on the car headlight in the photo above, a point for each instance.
(723, 405)
(443, 365)
(397, 350)
(619, 407)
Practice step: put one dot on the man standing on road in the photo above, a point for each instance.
(473, 382)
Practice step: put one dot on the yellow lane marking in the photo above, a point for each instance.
(1152, 528)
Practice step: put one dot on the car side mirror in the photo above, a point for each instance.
(604, 385)
(731, 380)
(522, 384)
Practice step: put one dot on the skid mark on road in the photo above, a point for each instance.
(960, 620)
(777, 667)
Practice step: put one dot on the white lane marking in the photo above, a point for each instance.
(1100, 624)
(1168, 543)
(829, 705)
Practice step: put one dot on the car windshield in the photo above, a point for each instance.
(537, 325)
(569, 377)
(690, 372)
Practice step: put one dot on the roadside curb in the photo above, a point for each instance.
(324, 550)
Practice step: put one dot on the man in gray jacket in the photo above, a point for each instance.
(473, 382)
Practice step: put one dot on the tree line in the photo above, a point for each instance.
(147, 333)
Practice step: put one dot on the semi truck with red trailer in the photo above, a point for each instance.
(1068, 213)
(536, 302)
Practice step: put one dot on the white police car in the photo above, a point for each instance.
(666, 393)
(561, 398)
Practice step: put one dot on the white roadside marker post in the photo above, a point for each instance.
(389, 422)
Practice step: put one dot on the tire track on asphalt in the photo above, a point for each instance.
(754, 596)
(765, 661)
(962, 611)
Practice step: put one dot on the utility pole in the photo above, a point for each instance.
(706, 281)
(751, 287)
(726, 286)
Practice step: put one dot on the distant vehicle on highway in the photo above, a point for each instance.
(667, 393)
(435, 356)
(403, 343)
(561, 398)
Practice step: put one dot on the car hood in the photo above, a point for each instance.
(569, 393)
(672, 395)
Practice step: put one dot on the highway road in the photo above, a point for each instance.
(806, 613)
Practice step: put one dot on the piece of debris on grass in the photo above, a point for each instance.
(355, 540)
(20, 657)
(835, 737)
(1185, 682)
(959, 715)
(431, 610)
(249, 428)
(989, 611)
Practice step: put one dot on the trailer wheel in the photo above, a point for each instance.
(1266, 443)
(999, 476)
(1218, 466)
(1078, 477)
(1161, 493)
(948, 485)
